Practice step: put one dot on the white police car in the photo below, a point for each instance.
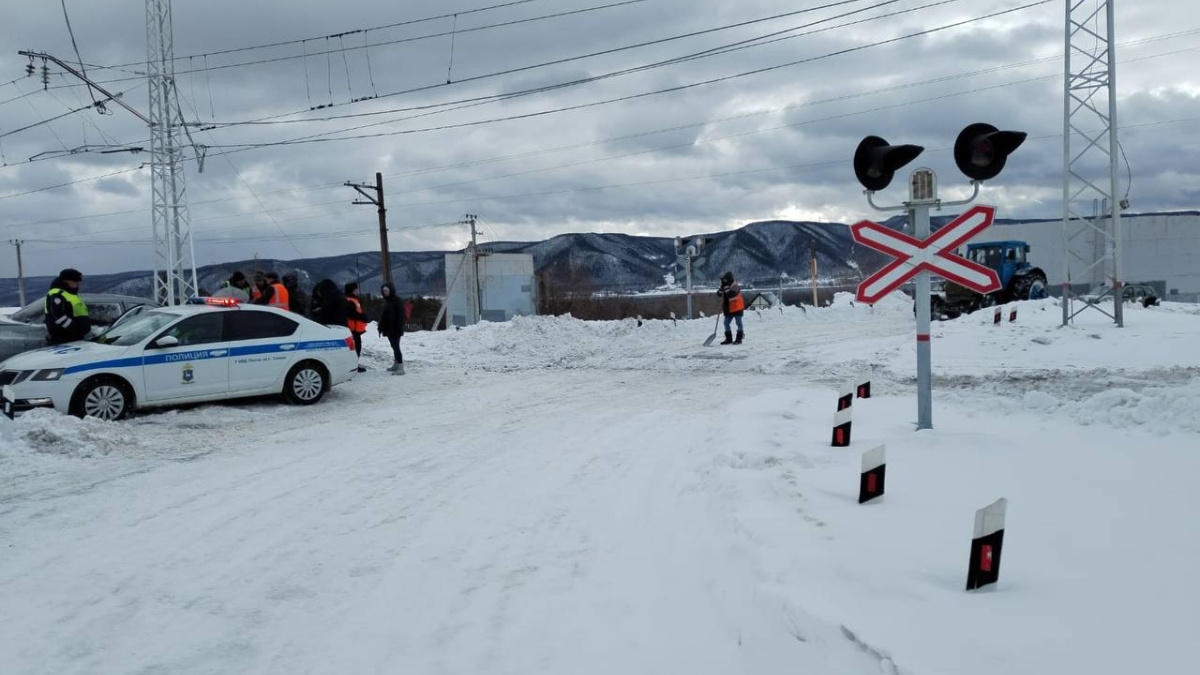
(213, 348)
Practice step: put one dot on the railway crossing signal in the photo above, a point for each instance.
(981, 153)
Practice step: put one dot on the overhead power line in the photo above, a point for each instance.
(323, 138)
(343, 49)
(274, 119)
(354, 31)
(635, 184)
(626, 137)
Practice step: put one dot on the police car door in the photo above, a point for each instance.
(188, 360)
(262, 347)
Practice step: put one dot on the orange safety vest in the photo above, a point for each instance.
(280, 299)
(255, 294)
(356, 325)
(737, 304)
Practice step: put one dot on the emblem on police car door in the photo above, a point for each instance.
(188, 373)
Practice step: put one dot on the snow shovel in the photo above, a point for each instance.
(716, 326)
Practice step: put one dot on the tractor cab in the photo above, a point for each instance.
(1008, 258)
(1019, 280)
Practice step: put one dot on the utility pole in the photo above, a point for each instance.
(20, 270)
(377, 200)
(474, 293)
(812, 263)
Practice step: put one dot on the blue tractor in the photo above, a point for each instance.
(1019, 280)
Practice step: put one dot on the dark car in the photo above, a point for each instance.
(1143, 294)
(26, 329)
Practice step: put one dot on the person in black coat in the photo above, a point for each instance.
(297, 300)
(66, 314)
(328, 304)
(391, 325)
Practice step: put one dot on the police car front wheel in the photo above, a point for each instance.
(105, 398)
(305, 384)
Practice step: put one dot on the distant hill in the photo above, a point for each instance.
(759, 252)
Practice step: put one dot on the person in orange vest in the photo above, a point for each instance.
(356, 318)
(278, 297)
(733, 306)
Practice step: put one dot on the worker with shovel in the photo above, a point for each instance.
(733, 306)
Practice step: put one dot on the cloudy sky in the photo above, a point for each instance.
(652, 147)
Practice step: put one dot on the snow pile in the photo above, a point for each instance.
(46, 431)
(564, 342)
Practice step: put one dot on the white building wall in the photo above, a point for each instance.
(1157, 247)
(506, 288)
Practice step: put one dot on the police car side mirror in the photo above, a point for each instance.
(166, 341)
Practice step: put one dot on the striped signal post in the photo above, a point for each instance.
(862, 385)
(870, 481)
(841, 419)
(986, 544)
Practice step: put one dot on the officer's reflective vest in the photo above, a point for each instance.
(737, 303)
(280, 298)
(77, 306)
(356, 325)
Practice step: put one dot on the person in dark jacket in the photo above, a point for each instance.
(262, 293)
(297, 300)
(733, 306)
(328, 305)
(356, 318)
(66, 314)
(236, 286)
(391, 325)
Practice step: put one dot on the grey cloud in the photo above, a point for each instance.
(1155, 90)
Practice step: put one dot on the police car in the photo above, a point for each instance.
(209, 349)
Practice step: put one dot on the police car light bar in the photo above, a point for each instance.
(217, 302)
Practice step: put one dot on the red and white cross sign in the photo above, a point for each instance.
(935, 254)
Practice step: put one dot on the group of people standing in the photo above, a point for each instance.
(327, 305)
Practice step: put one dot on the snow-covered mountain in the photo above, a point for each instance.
(620, 262)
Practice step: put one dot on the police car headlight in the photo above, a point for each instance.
(21, 376)
(48, 375)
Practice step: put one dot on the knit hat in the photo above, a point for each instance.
(236, 277)
(727, 277)
(349, 288)
(71, 274)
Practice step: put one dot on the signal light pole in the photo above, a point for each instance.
(980, 153)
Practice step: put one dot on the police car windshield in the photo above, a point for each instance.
(135, 330)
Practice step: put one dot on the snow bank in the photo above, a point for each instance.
(48, 432)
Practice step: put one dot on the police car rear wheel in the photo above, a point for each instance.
(105, 399)
(306, 384)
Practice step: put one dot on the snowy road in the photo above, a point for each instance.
(579, 504)
(469, 529)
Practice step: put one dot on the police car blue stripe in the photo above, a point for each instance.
(114, 363)
(205, 354)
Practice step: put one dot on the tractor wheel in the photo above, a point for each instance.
(1032, 286)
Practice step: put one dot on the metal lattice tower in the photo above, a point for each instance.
(1090, 153)
(174, 257)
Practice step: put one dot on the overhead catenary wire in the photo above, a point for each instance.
(328, 51)
(524, 155)
(578, 57)
(386, 26)
(324, 137)
(75, 45)
(635, 184)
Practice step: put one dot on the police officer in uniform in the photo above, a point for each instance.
(66, 315)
